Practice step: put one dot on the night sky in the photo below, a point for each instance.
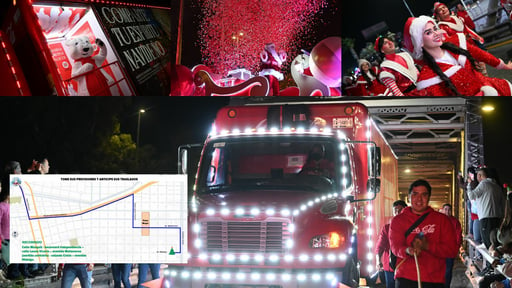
(63, 128)
(498, 137)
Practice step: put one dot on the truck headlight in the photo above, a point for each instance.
(328, 240)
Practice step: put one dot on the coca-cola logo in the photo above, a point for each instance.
(427, 229)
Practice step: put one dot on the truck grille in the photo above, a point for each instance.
(245, 237)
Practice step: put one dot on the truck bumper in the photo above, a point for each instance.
(188, 277)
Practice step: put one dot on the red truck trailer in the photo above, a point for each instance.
(261, 215)
(90, 47)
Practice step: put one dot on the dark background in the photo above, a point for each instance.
(497, 128)
(68, 130)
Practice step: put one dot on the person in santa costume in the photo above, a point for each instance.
(448, 67)
(398, 71)
(464, 15)
(507, 5)
(367, 80)
(454, 24)
(271, 62)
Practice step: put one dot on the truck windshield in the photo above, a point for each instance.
(291, 163)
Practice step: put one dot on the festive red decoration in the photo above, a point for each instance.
(233, 32)
(256, 86)
(182, 82)
(325, 61)
(271, 63)
(86, 67)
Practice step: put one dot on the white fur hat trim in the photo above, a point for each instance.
(416, 31)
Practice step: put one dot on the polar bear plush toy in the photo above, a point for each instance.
(91, 80)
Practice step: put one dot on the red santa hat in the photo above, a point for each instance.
(413, 34)
(437, 5)
(376, 46)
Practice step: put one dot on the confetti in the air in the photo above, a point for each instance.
(234, 32)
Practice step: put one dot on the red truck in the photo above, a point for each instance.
(267, 211)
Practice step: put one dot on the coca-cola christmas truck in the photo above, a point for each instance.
(89, 47)
(287, 196)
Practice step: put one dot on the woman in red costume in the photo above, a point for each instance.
(453, 24)
(397, 72)
(448, 67)
(368, 83)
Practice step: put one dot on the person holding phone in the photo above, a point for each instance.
(474, 222)
(447, 210)
(490, 201)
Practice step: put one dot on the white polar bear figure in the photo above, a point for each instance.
(91, 81)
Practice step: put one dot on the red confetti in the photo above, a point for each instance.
(234, 32)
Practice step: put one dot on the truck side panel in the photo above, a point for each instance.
(382, 205)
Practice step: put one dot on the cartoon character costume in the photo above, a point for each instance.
(271, 62)
(91, 80)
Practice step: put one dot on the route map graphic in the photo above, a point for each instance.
(105, 218)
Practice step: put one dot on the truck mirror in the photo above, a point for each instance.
(373, 185)
(374, 159)
(183, 161)
(183, 156)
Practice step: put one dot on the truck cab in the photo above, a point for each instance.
(279, 198)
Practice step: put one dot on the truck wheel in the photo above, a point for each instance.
(350, 273)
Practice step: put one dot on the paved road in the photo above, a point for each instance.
(460, 276)
(103, 278)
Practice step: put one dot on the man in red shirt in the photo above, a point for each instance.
(422, 250)
(447, 210)
(382, 247)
